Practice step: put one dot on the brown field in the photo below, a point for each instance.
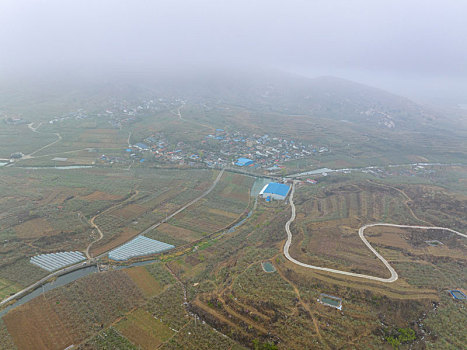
(144, 280)
(34, 228)
(100, 196)
(82, 160)
(144, 330)
(98, 138)
(413, 242)
(223, 213)
(129, 211)
(336, 246)
(437, 206)
(220, 208)
(117, 240)
(177, 232)
(326, 228)
(71, 314)
(37, 326)
(57, 196)
(200, 220)
(175, 188)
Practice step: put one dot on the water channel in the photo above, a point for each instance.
(75, 275)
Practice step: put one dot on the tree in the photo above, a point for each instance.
(257, 345)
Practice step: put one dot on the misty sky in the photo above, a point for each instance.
(414, 47)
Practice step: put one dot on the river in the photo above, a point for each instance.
(64, 280)
(77, 274)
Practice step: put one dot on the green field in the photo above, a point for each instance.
(7, 288)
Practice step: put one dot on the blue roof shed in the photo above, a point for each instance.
(275, 190)
(244, 162)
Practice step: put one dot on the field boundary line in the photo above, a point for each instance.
(394, 276)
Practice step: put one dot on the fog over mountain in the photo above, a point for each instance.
(414, 48)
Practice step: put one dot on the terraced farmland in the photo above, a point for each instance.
(223, 206)
(148, 206)
(325, 231)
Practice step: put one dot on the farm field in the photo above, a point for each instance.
(325, 231)
(142, 329)
(72, 313)
(223, 206)
(20, 138)
(233, 293)
(7, 288)
(214, 293)
(153, 324)
(149, 205)
(225, 284)
(144, 280)
(421, 265)
(49, 210)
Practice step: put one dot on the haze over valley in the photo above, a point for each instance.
(233, 175)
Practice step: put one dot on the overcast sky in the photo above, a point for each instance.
(407, 46)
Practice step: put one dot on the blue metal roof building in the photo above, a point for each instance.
(244, 162)
(275, 190)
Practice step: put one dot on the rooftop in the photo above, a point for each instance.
(277, 188)
(243, 161)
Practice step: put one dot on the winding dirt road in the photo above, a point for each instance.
(34, 129)
(152, 227)
(394, 275)
(101, 235)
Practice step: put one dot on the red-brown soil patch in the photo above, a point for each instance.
(120, 238)
(129, 211)
(144, 280)
(178, 232)
(101, 196)
(36, 326)
(34, 228)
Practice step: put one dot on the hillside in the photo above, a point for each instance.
(279, 92)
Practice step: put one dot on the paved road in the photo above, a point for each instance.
(361, 231)
(43, 280)
(91, 261)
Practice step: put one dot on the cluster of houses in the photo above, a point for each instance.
(221, 149)
(77, 115)
(123, 113)
(260, 151)
(14, 121)
(160, 149)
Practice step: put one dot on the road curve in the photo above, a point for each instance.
(394, 275)
(152, 227)
(34, 129)
(204, 194)
(90, 262)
